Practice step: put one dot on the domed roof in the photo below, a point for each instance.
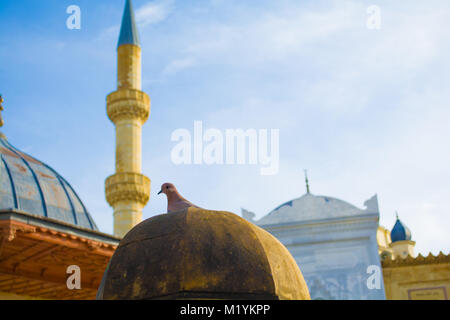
(312, 207)
(400, 232)
(197, 253)
(31, 186)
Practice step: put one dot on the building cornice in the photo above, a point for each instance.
(60, 227)
(341, 222)
(419, 260)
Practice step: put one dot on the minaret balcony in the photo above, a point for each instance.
(127, 186)
(128, 104)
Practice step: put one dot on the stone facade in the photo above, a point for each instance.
(420, 278)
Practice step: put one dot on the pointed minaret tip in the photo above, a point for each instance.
(128, 30)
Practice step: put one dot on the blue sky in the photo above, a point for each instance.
(365, 111)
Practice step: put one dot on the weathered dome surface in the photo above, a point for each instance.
(312, 207)
(28, 185)
(400, 232)
(201, 254)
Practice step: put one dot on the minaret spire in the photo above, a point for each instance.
(128, 190)
(306, 181)
(128, 31)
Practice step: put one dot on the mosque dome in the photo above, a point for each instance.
(201, 254)
(312, 207)
(400, 232)
(30, 186)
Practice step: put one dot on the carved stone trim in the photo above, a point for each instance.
(127, 186)
(128, 104)
(8, 232)
(410, 261)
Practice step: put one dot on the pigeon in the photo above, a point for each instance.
(175, 202)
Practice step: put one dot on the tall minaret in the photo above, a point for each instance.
(128, 190)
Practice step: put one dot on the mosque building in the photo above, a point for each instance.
(333, 241)
(341, 248)
(316, 247)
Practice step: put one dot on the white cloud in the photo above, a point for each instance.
(154, 12)
(178, 65)
(271, 36)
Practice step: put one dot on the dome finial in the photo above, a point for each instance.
(1, 109)
(306, 181)
(2, 136)
(396, 214)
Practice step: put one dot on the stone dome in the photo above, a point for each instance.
(28, 185)
(201, 254)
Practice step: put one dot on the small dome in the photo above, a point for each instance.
(400, 232)
(201, 254)
(310, 207)
(28, 185)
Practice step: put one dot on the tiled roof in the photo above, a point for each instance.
(31, 186)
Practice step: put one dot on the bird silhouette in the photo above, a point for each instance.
(175, 202)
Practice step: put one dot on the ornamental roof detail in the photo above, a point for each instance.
(419, 260)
